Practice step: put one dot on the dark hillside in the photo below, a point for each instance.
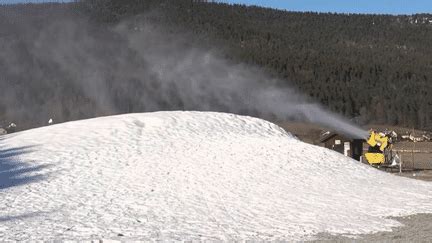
(373, 68)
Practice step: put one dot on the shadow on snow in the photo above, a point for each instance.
(14, 171)
(19, 217)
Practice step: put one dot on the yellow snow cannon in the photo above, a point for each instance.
(380, 145)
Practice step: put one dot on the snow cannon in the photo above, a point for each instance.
(380, 147)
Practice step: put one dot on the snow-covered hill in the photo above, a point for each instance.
(189, 175)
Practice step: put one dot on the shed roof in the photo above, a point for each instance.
(329, 135)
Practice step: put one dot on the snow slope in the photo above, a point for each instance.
(189, 175)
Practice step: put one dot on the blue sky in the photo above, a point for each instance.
(346, 6)
(339, 6)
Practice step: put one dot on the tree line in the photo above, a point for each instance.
(371, 68)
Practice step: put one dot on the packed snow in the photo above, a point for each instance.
(190, 176)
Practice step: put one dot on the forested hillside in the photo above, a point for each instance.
(374, 68)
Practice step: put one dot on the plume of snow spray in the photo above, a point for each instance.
(204, 81)
(155, 69)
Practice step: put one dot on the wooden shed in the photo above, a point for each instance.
(349, 147)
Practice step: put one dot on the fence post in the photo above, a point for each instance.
(400, 164)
